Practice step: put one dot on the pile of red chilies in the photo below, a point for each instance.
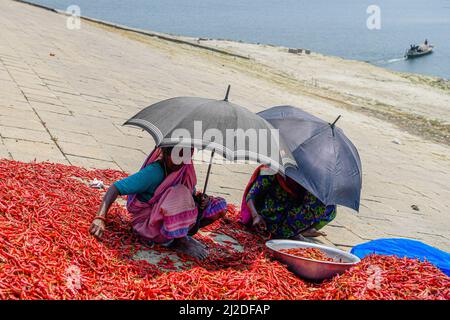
(46, 252)
(309, 253)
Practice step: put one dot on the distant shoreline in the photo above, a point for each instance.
(194, 41)
(421, 120)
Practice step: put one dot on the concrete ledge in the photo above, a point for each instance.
(38, 6)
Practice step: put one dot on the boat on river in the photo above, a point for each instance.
(419, 50)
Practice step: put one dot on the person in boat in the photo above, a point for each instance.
(283, 208)
(415, 49)
(425, 42)
(163, 203)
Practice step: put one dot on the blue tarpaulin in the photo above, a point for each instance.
(405, 248)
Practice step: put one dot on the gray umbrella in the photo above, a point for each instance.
(328, 163)
(219, 125)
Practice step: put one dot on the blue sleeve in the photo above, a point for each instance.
(260, 186)
(145, 180)
(328, 216)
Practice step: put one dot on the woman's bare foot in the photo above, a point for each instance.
(198, 242)
(190, 247)
(299, 237)
(312, 233)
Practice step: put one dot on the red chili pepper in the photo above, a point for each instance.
(309, 253)
(46, 252)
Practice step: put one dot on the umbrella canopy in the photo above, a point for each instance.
(328, 163)
(219, 125)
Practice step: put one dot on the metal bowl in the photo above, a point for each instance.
(312, 269)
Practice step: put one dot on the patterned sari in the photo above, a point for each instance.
(172, 211)
(285, 212)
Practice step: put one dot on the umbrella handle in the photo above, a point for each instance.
(208, 172)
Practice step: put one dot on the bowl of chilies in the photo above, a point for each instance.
(311, 261)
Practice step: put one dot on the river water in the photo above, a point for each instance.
(331, 27)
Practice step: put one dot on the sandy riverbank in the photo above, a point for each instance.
(70, 91)
(416, 103)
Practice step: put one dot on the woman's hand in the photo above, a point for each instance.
(204, 202)
(257, 221)
(98, 225)
(259, 224)
(97, 228)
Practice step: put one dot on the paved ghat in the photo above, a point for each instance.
(64, 95)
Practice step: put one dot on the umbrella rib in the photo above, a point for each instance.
(311, 137)
(225, 152)
(335, 164)
(190, 112)
(351, 147)
(147, 126)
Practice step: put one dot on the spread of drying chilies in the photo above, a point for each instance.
(46, 252)
(309, 253)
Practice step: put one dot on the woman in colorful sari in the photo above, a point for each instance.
(282, 207)
(163, 204)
